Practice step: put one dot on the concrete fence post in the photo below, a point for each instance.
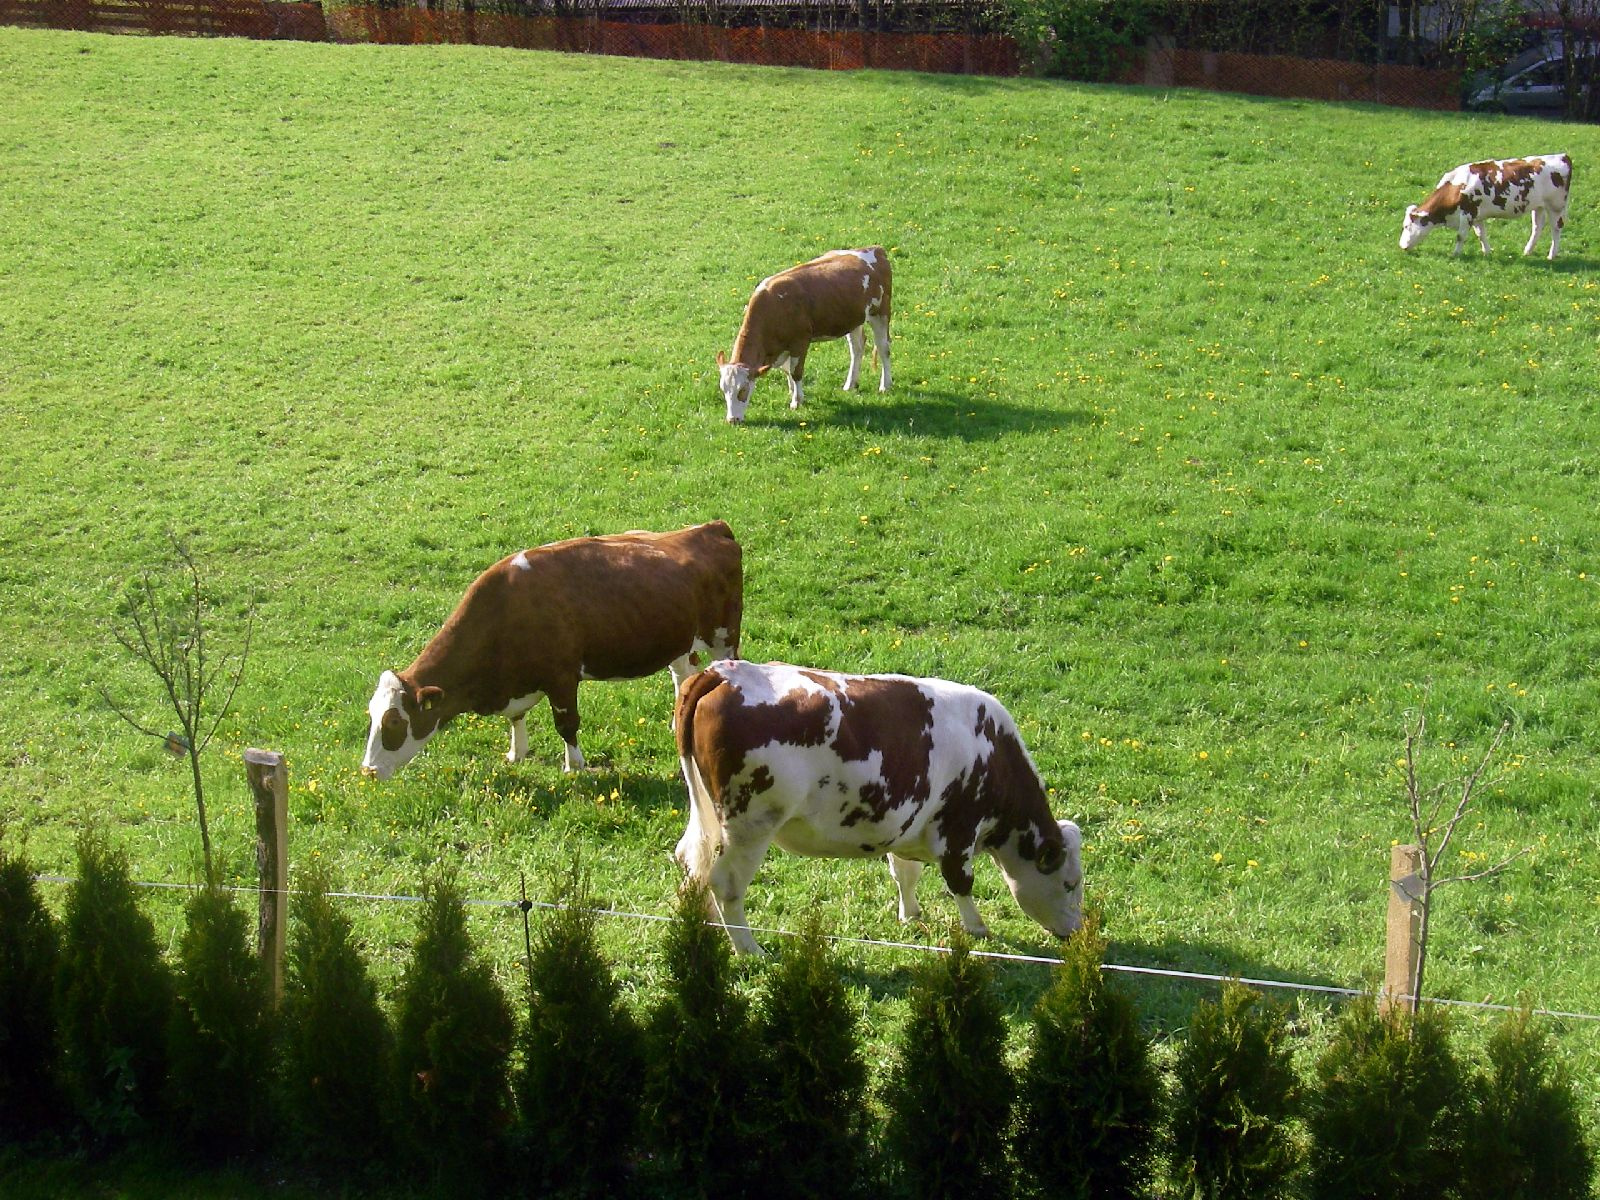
(269, 783)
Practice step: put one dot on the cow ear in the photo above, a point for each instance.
(428, 698)
(1051, 856)
(722, 359)
(763, 370)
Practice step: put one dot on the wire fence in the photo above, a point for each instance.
(957, 37)
(525, 906)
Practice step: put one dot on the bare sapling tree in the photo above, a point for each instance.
(1433, 832)
(161, 622)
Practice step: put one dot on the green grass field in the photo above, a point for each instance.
(1185, 461)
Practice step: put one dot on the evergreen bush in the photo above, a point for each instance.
(814, 1091)
(30, 948)
(220, 1034)
(1524, 1138)
(113, 999)
(949, 1092)
(336, 1049)
(1089, 40)
(582, 1058)
(701, 1057)
(1236, 1093)
(1387, 1110)
(453, 1039)
(1088, 1092)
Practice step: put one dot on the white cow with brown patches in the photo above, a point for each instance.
(1505, 187)
(857, 766)
(835, 295)
(535, 624)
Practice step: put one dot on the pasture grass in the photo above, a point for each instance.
(1185, 461)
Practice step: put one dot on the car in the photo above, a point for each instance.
(1538, 89)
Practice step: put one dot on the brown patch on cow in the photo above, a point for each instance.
(392, 730)
(885, 717)
(708, 702)
(1436, 209)
(1003, 790)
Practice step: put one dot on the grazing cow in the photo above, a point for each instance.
(1506, 187)
(829, 297)
(534, 624)
(854, 766)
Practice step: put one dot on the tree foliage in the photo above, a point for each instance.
(1088, 1094)
(949, 1091)
(337, 1050)
(1235, 1093)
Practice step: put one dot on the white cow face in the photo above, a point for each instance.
(402, 723)
(737, 382)
(1414, 229)
(1049, 888)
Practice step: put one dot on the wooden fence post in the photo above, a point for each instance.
(1405, 927)
(269, 781)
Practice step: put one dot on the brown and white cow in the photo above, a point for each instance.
(533, 625)
(832, 296)
(1506, 187)
(854, 766)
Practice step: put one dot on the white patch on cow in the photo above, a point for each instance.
(378, 761)
(520, 561)
(516, 712)
(737, 383)
(866, 283)
(866, 256)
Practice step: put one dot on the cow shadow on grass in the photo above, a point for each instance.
(928, 413)
(1166, 980)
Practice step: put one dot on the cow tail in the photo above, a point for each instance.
(701, 841)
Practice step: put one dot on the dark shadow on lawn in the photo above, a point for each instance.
(928, 413)
(1164, 1001)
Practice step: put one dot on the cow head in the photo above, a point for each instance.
(1048, 883)
(1417, 226)
(737, 381)
(403, 719)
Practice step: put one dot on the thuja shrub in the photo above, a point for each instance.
(1236, 1091)
(1524, 1138)
(582, 1059)
(453, 1039)
(1088, 1094)
(30, 948)
(113, 999)
(1386, 1110)
(814, 1079)
(949, 1091)
(220, 1034)
(336, 1048)
(701, 1053)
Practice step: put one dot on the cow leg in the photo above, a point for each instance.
(731, 874)
(858, 342)
(1483, 240)
(796, 370)
(519, 739)
(564, 711)
(906, 872)
(957, 874)
(880, 344)
(1555, 238)
(1538, 228)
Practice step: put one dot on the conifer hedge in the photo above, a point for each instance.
(741, 1080)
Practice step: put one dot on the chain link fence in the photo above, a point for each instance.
(1202, 43)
